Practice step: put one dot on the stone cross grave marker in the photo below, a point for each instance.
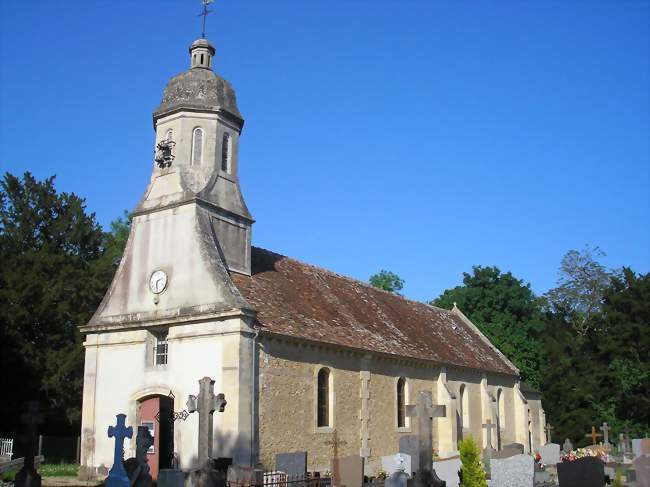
(548, 428)
(593, 435)
(117, 475)
(489, 426)
(27, 476)
(206, 403)
(605, 429)
(425, 411)
(621, 444)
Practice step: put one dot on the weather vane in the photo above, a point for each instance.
(204, 14)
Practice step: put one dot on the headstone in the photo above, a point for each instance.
(408, 445)
(642, 469)
(117, 475)
(425, 411)
(622, 444)
(293, 464)
(27, 476)
(169, 477)
(447, 470)
(137, 469)
(568, 446)
(645, 446)
(550, 453)
(584, 472)
(206, 403)
(349, 471)
(605, 429)
(517, 471)
(397, 479)
(509, 450)
(636, 447)
(399, 462)
(488, 451)
(548, 428)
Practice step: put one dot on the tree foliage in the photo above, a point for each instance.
(53, 275)
(388, 281)
(471, 470)
(506, 310)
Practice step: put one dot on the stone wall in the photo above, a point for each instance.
(361, 425)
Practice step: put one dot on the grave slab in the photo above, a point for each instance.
(293, 463)
(516, 471)
(642, 469)
(584, 472)
(348, 471)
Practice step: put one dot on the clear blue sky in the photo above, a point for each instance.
(423, 137)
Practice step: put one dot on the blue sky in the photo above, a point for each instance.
(422, 137)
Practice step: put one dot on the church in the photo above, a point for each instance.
(308, 360)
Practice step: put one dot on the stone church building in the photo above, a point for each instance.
(308, 360)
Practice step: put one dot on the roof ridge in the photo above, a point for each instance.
(352, 279)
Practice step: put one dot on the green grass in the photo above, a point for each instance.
(48, 470)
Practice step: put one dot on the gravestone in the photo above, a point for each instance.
(447, 470)
(645, 446)
(488, 451)
(568, 446)
(408, 445)
(548, 428)
(349, 471)
(137, 469)
(425, 411)
(27, 476)
(550, 453)
(622, 445)
(605, 429)
(642, 469)
(636, 447)
(206, 403)
(117, 475)
(245, 476)
(293, 464)
(584, 472)
(517, 471)
(397, 479)
(399, 462)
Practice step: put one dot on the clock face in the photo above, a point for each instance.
(158, 282)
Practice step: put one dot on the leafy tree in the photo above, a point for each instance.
(580, 287)
(506, 310)
(471, 470)
(51, 281)
(388, 281)
(115, 239)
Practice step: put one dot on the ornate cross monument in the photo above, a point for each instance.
(206, 403)
(605, 429)
(489, 427)
(117, 475)
(548, 428)
(425, 411)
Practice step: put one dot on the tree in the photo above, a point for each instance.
(471, 471)
(115, 239)
(388, 281)
(50, 283)
(580, 287)
(506, 310)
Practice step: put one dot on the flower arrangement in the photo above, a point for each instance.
(538, 461)
(381, 474)
(597, 452)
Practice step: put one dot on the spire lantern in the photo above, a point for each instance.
(201, 53)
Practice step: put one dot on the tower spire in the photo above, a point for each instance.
(204, 13)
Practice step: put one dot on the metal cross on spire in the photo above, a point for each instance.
(204, 14)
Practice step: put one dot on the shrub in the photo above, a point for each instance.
(471, 469)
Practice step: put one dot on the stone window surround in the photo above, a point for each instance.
(332, 400)
(407, 400)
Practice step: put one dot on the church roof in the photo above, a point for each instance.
(303, 301)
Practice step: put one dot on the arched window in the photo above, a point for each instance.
(323, 405)
(401, 402)
(501, 416)
(225, 152)
(197, 146)
(464, 407)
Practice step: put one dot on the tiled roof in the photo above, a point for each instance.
(307, 302)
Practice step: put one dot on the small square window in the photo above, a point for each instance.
(161, 349)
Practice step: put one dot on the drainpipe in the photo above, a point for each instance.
(254, 397)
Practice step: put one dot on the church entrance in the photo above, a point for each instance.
(157, 414)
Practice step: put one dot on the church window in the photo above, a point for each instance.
(323, 405)
(197, 146)
(161, 349)
(401, 402)
(225, 152)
